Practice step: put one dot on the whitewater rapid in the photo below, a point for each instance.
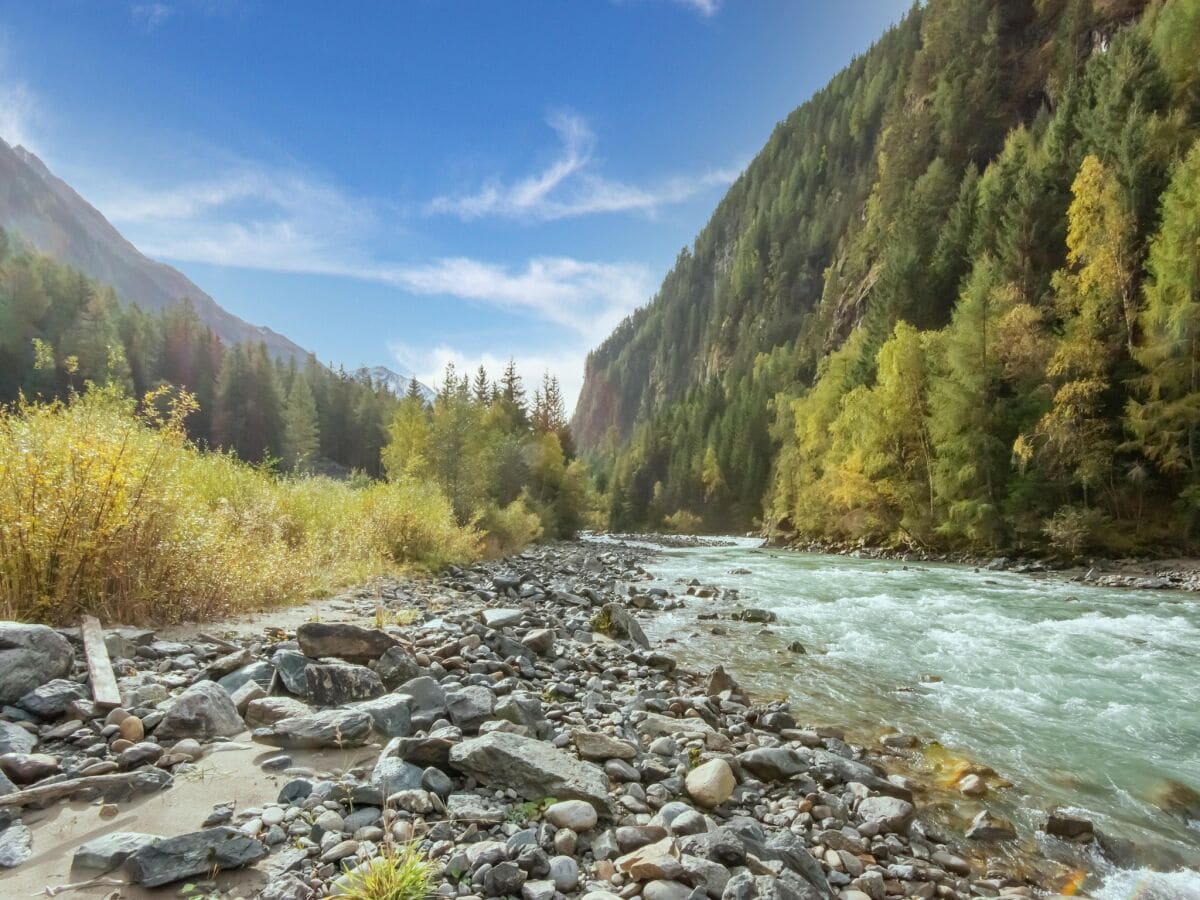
(1083, 698)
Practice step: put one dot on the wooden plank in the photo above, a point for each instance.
(100, 672)
(217, 642)
(143, 780)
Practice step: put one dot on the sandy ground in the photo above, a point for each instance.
(231, 773)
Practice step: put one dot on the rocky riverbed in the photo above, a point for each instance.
(511, 721)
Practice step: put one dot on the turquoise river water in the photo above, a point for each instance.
(1081, 697)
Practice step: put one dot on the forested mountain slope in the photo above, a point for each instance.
(56, 221)
(952, 302)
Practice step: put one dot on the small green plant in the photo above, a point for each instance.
(530, 811)
(398, 617)
(693, 757)
(406, 616)
(602, 621)
(398, 873)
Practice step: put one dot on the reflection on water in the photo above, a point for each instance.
(1082, 697)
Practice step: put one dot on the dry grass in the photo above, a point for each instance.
(106, 508)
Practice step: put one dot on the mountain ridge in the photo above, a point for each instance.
(58, 222)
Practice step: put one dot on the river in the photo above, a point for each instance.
(1081, 697)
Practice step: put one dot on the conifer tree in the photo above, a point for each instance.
(1095, 302)
(301, 434)
(480, 389)
(1165, 416)
(414, 390)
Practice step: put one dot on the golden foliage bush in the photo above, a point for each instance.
(106, 508)
(510, 529)
(683, 522)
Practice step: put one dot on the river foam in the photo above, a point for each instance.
(1082, 697)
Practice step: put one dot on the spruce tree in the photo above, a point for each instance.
(301, 431)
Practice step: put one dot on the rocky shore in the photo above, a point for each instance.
(1176, 573)
(511, 722)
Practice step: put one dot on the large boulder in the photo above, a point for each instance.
(534, 769)
(623, 624)
(16, 845)
(711, 783)
(391, 713)
(470, 707)
(108, 851)
(890, 813)
(290, 664)
(774, 763)
(50, 700)
(336, 684)
(15, 739)
(598, 746)
(30, 655)
(267, 710)
(198, 853)
(349, 642)
(328, 728)
(203, 711)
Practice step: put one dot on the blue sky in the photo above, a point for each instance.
(406, 183)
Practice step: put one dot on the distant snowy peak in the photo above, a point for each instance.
(396, 382)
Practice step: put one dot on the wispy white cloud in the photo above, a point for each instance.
(589, 298)
(569, 187)
(254, 217)
(149, 16)
(18, 114)
(250, 215)
(706, 8)
(21, 111)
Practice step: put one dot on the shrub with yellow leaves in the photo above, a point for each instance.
(106, 508)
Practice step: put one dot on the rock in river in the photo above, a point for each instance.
(534, 769)
(30, 656)
(198, 853)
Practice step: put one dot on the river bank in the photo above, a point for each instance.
(1168, 573)
(446, 711)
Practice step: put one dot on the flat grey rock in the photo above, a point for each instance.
(205, 710)
(352, 643)
(30, 656)
(534, 769)
(188, 855)
(108, 851)
(328, 728)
